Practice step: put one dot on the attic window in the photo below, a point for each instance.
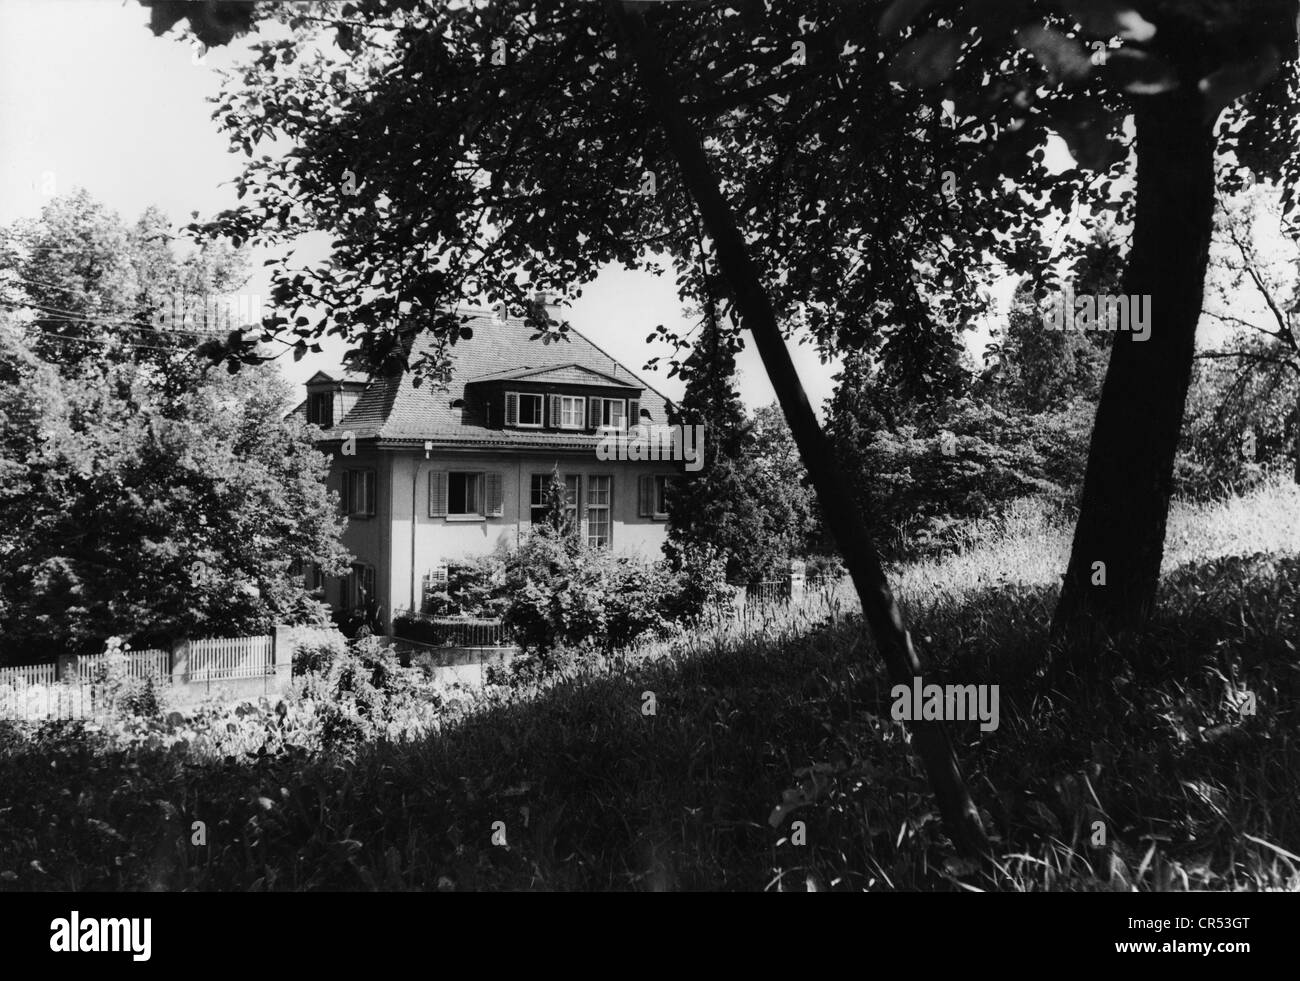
(320, 408)
(458, 403)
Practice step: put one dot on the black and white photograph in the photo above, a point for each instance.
(616, 446)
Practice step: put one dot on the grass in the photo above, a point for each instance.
(591, 792)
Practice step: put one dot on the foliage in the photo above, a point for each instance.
(918, 480)
(570, 595)
(315, 649)
(749, 501)
(122, 515)
(96, 292)
(472, 589)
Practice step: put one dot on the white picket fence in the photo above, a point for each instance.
(35, 691)
(32, 674)
(154, 664)
(221, 658)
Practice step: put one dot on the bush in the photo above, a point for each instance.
(473, 589)
(564, 594)
(316, 648)
(140, 700)
(699, 582)
(823, 567)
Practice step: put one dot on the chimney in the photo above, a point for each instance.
(551, 303)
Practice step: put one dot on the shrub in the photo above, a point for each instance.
(699, 582)
(316, 648)
(473, 588)
(562, 594)
(140, 700)
(823, 567)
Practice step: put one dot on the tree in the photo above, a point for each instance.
(1177, 67)
(95, 291)
(778, 456)
(736, 502)
(124, 516)
(146, 495)
(1255, 291)
(559, 517)
(1037, 370)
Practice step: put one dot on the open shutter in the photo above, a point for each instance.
(512, 408)
(555, 412)
(493, 481)
(593, 413)
(345, 479)
(633, 413)
(646, 495)
(437, 494)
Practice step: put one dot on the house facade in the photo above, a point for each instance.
(433, 474)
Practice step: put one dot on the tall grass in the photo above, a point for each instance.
(1156, 776)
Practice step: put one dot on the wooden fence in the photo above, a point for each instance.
(31, 674)
(223, 658)
(153, 664)
(79, 687)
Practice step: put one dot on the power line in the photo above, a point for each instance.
(92, 340)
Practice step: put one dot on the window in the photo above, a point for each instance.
(465, 494)
(359, 493)
(653, 494)
(320, 408)
(599, 523)
(569, 411)
(360, 586)
(463, 490)
(524, 409)
(537, 499)
(613, 413)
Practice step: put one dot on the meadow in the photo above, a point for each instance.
(745, 755)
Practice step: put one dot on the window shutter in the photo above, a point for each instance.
(646, 495)
(512, 408)
(437, 494)
(370, 491)
(344, 480)
(593, 413)
(633, 413)
(555, 412)
(493, 495)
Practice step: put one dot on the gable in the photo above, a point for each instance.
(570, 374)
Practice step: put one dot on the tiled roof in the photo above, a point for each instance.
(394, 409)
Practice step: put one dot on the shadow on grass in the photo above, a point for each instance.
(663, 775)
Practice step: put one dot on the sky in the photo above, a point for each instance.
(90, 98)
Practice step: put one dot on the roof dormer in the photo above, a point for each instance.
(329, 399)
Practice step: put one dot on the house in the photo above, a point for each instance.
(431, 474)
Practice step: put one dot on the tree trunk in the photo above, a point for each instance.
(881, 612)
(1119, 539)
